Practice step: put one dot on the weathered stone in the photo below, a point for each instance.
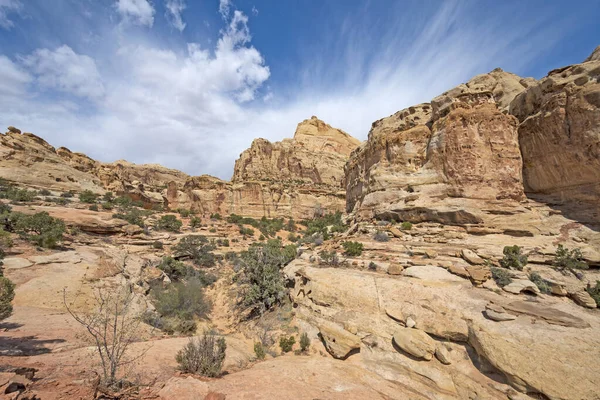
(479, 273)
(339, 342)
(415, 342)
(395, 269)
(16, 263)
(521, 285)
(583, 298)
(471, 257)
(441, 353)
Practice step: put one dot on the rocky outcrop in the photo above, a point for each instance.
(420, 163)
(559, 134)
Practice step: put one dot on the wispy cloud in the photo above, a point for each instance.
(197, 107)
(174, 10)
(7, 7)
(139, 12)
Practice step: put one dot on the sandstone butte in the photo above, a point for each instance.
(497, 161)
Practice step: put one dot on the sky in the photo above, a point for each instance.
(190, 83)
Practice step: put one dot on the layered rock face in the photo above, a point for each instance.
(559, 134)
(293, 178)
(459, 147)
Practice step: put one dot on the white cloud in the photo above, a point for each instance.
(174, 10)
(6, 7)
(139, 12)
(64, 70)
(224, 7)
(13, 79)
(254, 11)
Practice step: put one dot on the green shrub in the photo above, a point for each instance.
(203, 356)
(259, 351)
(293, 238)
(40, 228)
(372, 266)
(158, 245)
(216, 216)
(406, 226)
(67, 195)
(539, 282)
(352, 249)
(5, 208)
(93, 207)
(13, 193)
(184, 213)
(169, 223)
(198, 249)
(7, 294)
(195, 222)
(568, 260)
(286, 344)
(108, 197)
(501, 276)
(247, 232)
(304, 342)
(45, 192)
(60, 201)
(324, 225)
(291, 225)
(87, 196)
(513, 258)
(213, 230)
(107, 206)
(180, 300)
(133, 216)
(175, 270)
(594, 291)
(381, 236)
(263, 285)
(329, 258)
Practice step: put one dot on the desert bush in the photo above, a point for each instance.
(594, 291)
(513, 258)
(329, 258)
(293, 238)
(107, 206)
(198, 249)
(223, 242)
(304, 342)
(352, 249)
(93, 207)
(184, 213)
(175, 270)
(259, 351)
(7, 294)
(13, 193)
(67, 195)
(286, 344)
(203, 356)
(87, 196)
(195, 222)
(108, 197)
(372, 266)
(501, 276)
(213, 230)
(290, 226)
(169, 223)
(539, 282)
(406, 226)
(263, 285)
(45, 192)
(158, 245)
(568, 260)
(5, 208)
(40, 228)
(5, 242)
(381, 236)
(181, 300)
(324, 225)
(132, 215)
(216, 216)
(247, 231)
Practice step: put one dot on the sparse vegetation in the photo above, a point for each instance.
(11, 192)
(7, 294)
(567, 260)
(87, 196)
(594, 291)
(198, 249)
(372, 266)
(247, 231)
(304, 342)
(213, 230)
(287, 344)
(132, 215)
(67, 195)
(406, 226)
(195, 222)
(293, 238)
(324, 226)
(45, 192)
(329, 258)
(513, 258)
(203, 356)
(216, 216)
(93, 207)
(259, 351)
(290, 226)
(352, 249)
(381, 236)
(40, 228)
(157, 245)
(184, 213)
(107, 206)
(169, 223)
(108, 197)
(501, 276)
(175, 270)
(539, 282)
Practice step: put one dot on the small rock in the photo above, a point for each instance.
(442, 354)
(415, 342)
(410, 322)
(479, 273)
(499, 317)
(14, 387)
(395, 269)
(458, 270)
(490, 284)
(396, 232)
(471, 257)
(431, 253)
(521, 285)
(13, 129)
(557, 288)
(583, 298)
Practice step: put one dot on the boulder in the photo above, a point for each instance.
(339, 342)
(582, 297)
(395, 269)
(415, 342)
(179, 388)
(442, 354)
(518, 286)
(430, 273)
(479, 273)
(471, 257)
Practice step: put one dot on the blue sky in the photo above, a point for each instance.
(190, 83)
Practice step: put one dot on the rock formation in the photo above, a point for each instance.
(294, 178)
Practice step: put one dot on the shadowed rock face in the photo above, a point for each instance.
(559, 133)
